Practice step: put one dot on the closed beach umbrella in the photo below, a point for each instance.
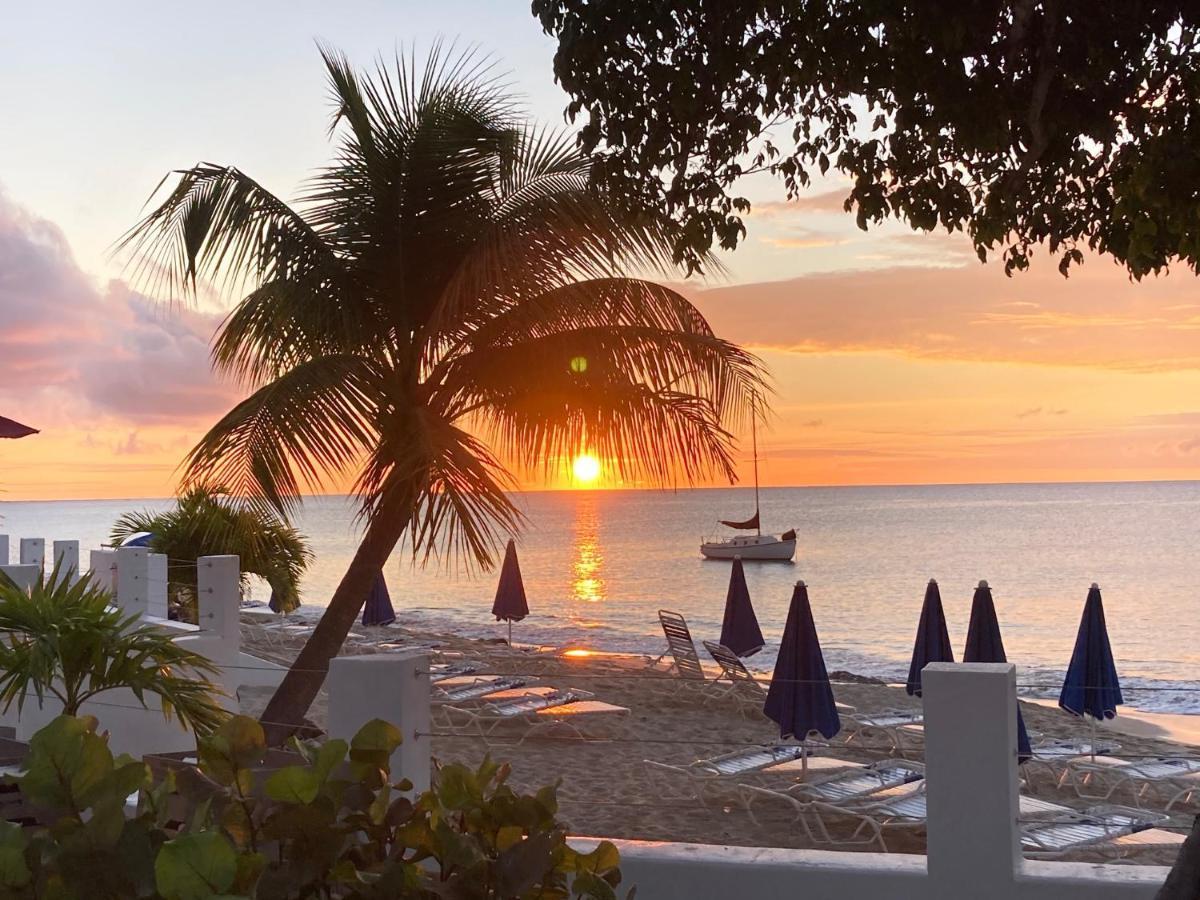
(378, 608)
(739, 630)
(11, 429)
(984, 645)
(800, 698)
(1091, 687)
(510, 604)
(933, 640)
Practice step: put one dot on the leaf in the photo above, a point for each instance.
(508, 835)
(14, 872)
(67, 765)
(294, 784)
(195, 866)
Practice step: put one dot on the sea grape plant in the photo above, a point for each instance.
(334, 825)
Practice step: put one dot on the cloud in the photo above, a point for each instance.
(1098, 317)
(826, 202)
(95, 354)
(804, 239)
(812, 423)
(1038, 411)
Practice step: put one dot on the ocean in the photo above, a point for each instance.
(598, 565)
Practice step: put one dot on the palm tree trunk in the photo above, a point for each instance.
(291, 700)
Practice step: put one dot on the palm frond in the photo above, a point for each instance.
(311, 423)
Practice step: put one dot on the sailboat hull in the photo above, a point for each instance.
(751, 547)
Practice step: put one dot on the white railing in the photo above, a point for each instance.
(971, 770)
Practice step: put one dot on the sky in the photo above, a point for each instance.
(895, 357)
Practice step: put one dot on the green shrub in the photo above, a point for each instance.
(333, 826)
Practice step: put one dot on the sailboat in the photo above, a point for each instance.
(757, 546)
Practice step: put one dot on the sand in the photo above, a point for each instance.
(607, 789)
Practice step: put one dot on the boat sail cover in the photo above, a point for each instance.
(752, 522)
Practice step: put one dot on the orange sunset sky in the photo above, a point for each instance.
(896, 357)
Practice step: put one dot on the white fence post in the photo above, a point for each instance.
(23, 577)
(389, 686)
(33, 552)
(102, 569)
(66, 560)
(971, 770)
(156, 588)
(4, 557)
(219, 595)
(133, 580)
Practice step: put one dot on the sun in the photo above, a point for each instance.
(585, 468)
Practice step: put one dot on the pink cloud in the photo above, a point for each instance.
(104, 353)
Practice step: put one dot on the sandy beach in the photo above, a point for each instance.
(607, 788)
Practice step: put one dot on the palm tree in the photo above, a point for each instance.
(206, 521)
(448, 297)
(66, 640)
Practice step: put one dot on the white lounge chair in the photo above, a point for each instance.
(1052, 757)
(536, 709)
(902, 729)
(685, 661)
(739, 684)
(1162, 782)
(1097, 827)
(841, 788)
(1048, 829)
(718, 775)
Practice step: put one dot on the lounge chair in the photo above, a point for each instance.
(682, 650)
(475, 688)
(1051, 757)
(537, 709)
(1047, 829)
(719, 774)
(1162, 782)
(902, 729)
(741, 686)
(841, 788)
(1090, 829)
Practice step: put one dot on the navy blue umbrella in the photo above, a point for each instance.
(275, 603)
(739, 630)
(984, 645)
(138, 539)
(378, 608)
(1091, 687)
(800, 698)
(933, 641)
(510, 604)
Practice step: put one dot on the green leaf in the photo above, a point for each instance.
(508, 835)
(374, 744)
(294, 784)
(14, 872)
(68, 764)
(195, 866)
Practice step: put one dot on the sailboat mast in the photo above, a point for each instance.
(754, 446)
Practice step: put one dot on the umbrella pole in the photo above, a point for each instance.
(510, 634)
(1093, 746)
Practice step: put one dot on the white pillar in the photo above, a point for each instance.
(102, 569)
(389, 686)
(219, 596)
(971, 770)
(23, 577)
(66, 560)
(33, 552)
(133, 580)
(156, 594)
(4, 557)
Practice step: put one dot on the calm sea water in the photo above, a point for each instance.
(598, 566)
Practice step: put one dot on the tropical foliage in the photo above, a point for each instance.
(334, 826)
(206, 521)
(410, 325)
(65, 641)
(1069, 124)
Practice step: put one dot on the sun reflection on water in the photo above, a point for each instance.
(588, 572)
